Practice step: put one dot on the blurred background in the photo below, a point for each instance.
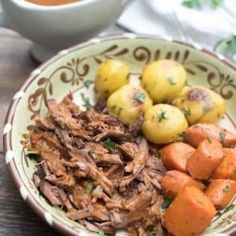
(209, 23)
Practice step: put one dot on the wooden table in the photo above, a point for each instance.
(16, 218)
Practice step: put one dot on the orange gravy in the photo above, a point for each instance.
(51, 2)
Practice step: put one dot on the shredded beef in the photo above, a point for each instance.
(98, 169)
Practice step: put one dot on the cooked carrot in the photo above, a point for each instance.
(227, 168)
(205, 159)
(198, 132)
(175, 181)
(221, 192)
(175, 155)
(190, 213)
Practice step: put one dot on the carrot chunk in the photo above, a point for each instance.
(175, 181)
(190, 213)
(198, 132)
(221, 192)
(175, 156)
(205, 159)
(227, 168)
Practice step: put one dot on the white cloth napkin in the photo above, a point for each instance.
(170, 18)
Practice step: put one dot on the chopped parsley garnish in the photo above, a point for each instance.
(206, 108)
(226, 188)
(158, 154)
(222, 137)
(171, 80)
(161, 115)
(109, 144)
(91, 152)
(187, 111)
(183, 137)
(151, 230)
(32, 155)
(139, 97)
(167, 202)
(89, 186)
(85, 100)
(119, 111)
(101, 233)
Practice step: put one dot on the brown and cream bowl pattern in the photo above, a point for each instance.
(73, 70)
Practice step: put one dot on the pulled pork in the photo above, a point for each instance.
(99, 170)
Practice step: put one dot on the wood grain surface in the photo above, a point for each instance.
(16, 218)
(16, 63)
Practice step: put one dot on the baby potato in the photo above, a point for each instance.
(200, 104)
(164, 124)
(128, 102)
(163, 80)
(110, 76)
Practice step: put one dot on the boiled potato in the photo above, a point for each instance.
(110, 76)
(128, 102)
(163, 80)
(164, 124)
(200, 104)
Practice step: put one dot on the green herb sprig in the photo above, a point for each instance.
(198, 3)
(139, 97)
(187, 111)
(89, 186)
(171, 81)
(222, 135)
(167, 201)
(85, 100)
(109, 145)
(226, 188)
(161, 115)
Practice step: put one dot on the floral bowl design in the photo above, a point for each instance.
(73, 70)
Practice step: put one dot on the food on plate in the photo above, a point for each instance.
(94, 167)
(227, 168)
(198, 132)
(200, 105)
(205, 159)
(110, 76)
(163, 124)
(221, 192)
(101, 165)
(175, 155)
(175, 181)
(128, 102)
(190, 213)
(163, 80)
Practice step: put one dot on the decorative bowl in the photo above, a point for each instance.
(73, 70)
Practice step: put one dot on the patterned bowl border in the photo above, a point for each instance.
(7, 142)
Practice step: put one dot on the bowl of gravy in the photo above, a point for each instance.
(54, 25)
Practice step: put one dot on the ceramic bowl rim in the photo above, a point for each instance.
(31, 201)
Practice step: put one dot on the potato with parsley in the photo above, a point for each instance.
(200, 105)
(163, 80)
(164, 124)
(110, 76)
(128, 102)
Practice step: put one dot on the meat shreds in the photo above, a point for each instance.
(96, 168)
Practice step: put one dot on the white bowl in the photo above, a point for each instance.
(53, 28)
